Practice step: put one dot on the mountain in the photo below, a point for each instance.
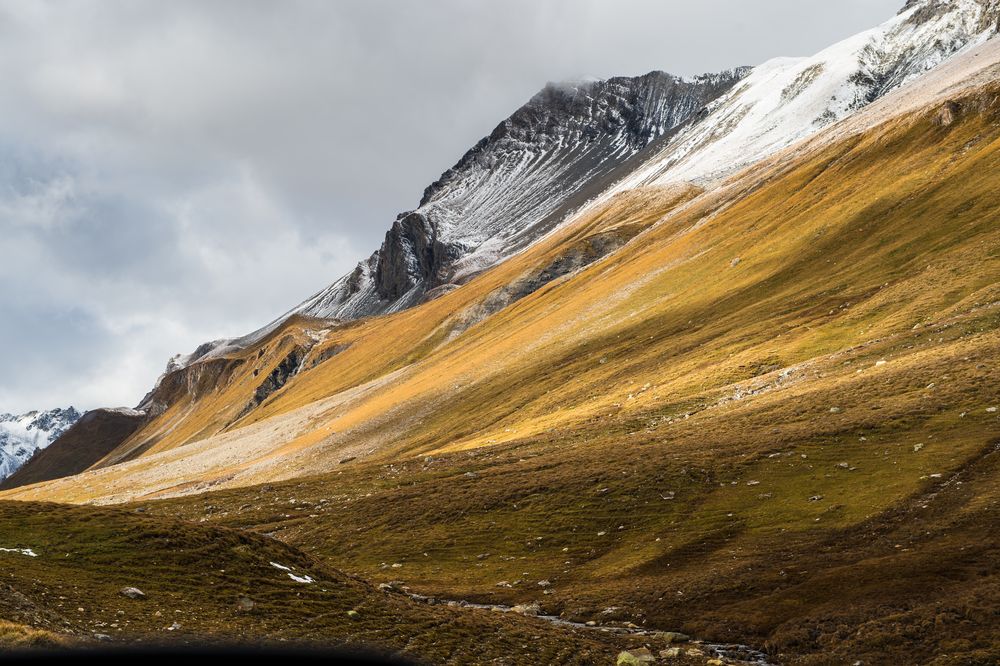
(671, 259)
(513, 205)
(21, 436)
(75, 445)
(558, 150)
(563, 147)
(744, 388)
(577, 144)
(788, 99)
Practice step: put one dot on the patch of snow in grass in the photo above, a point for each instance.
(23, 551)
(298, 579)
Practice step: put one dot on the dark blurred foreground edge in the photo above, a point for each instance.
(195, 655)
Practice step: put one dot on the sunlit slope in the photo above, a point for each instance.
(723, 296)
(218, 395)
(796, 450)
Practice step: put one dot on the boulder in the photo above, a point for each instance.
(132, 593)
(636, 657)
(948, 113)
(531, 609)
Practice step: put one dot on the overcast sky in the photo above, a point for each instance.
(175, 172)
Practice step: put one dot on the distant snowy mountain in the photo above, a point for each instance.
(22, 435)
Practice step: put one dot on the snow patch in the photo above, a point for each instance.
(125, 411)
(298, 579)
(22, 551)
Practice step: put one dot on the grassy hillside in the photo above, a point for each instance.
(861, 573)
(723, 300)
(770, 418)
(202, 583)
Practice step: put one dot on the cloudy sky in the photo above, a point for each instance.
(175, 172)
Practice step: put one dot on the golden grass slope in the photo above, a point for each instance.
(861, 240)
(20, 637)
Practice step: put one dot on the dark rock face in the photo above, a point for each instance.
(277, 379)
(565, 145)
(411, 253)
(289, 366)
(196, 380)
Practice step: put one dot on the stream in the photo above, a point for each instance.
(731, 653)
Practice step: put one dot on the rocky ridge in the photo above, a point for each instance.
(575, 144)
(517, 184)
(566, 145)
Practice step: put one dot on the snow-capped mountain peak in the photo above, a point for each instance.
(566, 144)
(585, 140)
(785, 100)
(577, 143)
(23, 434)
